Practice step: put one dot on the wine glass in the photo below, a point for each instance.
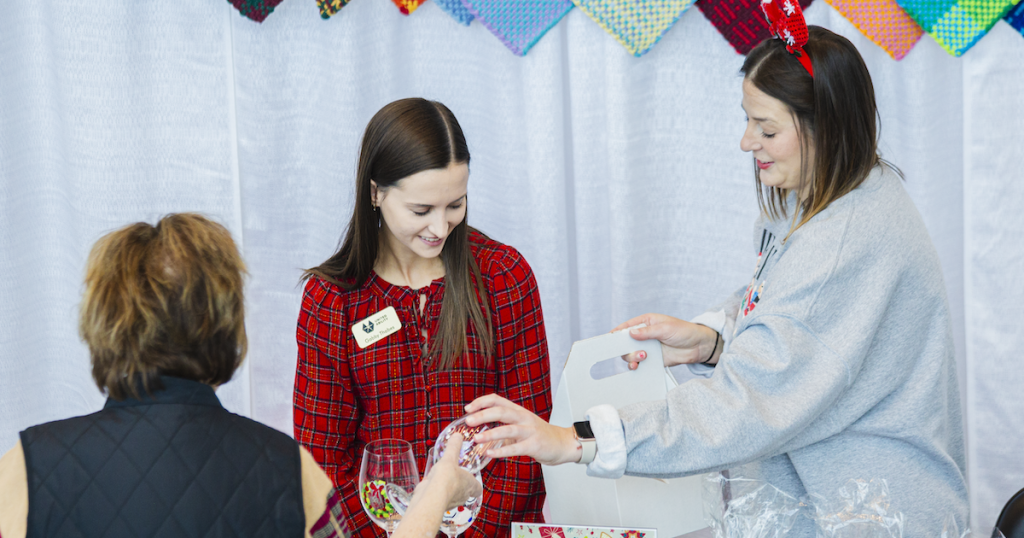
(387, 477)
(455, 521)
(472, 455)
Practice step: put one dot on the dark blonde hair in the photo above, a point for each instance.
(163, 300)
(834, 112)
(403, 138)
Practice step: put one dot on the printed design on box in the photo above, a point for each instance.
(756, 288)
(526, 530)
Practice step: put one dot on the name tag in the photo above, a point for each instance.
(376, 327)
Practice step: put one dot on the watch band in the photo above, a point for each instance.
(585, 437)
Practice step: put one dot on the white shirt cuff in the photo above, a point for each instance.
(611, 442)
(714, 320)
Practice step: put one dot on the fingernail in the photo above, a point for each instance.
(642, 354)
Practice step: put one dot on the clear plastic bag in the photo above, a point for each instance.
(951, 530)
(736, 507)
(747, 508)
(860, 509)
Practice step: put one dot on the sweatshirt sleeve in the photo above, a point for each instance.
(776, 386)
(721, 318)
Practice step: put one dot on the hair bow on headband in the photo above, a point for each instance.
(786, 22)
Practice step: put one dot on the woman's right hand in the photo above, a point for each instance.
(524, 433)
(682, 342)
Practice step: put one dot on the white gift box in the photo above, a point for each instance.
(673, 507)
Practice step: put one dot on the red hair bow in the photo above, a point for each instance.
(786, 22)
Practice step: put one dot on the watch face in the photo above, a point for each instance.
(583, 430)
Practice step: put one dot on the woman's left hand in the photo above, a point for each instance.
(458, 483)
(525, 433)
(682, 342)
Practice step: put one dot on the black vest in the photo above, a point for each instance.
(174, 464)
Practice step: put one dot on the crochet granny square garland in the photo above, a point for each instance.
(519, 24)
(956, 24)
(636, 24)
(741, 22)
(884, 22)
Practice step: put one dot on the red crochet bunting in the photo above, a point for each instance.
(741, 22)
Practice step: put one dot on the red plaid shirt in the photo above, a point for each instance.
(346, 397)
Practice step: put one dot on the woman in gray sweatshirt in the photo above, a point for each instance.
(836, 361)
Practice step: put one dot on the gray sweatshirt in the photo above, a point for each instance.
(838, 364)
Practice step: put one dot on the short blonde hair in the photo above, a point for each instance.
(163, 300)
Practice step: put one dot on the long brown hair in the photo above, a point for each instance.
(163, 300)
(834, 112)
(403, 138)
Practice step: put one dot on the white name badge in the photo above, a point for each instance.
(376, 327)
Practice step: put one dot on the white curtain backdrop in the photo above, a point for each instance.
(619, 178)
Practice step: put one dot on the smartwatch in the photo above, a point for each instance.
(585, 436)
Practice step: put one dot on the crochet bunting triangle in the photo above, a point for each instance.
(519, 24)
(1016, 17)
(884, 22)
(256, 10)
(457, 9)
(741, 22)
(408, 6)
(636, 24)
(330, 7)
(956, 24)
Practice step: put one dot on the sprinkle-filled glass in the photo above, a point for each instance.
(387, 477)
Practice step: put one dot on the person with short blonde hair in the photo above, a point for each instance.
(164, 300)
(163, 316)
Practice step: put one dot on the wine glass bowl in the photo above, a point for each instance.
(387, 477)
(472, 455)
(455, 521)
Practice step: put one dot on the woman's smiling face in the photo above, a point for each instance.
(419, 212)
(772, 136)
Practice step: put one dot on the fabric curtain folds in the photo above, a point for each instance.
(619, 179)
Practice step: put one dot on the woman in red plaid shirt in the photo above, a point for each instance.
(415, 316)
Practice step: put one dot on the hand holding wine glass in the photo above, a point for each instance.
(445, 486)
(387, 478)
(458, 518)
